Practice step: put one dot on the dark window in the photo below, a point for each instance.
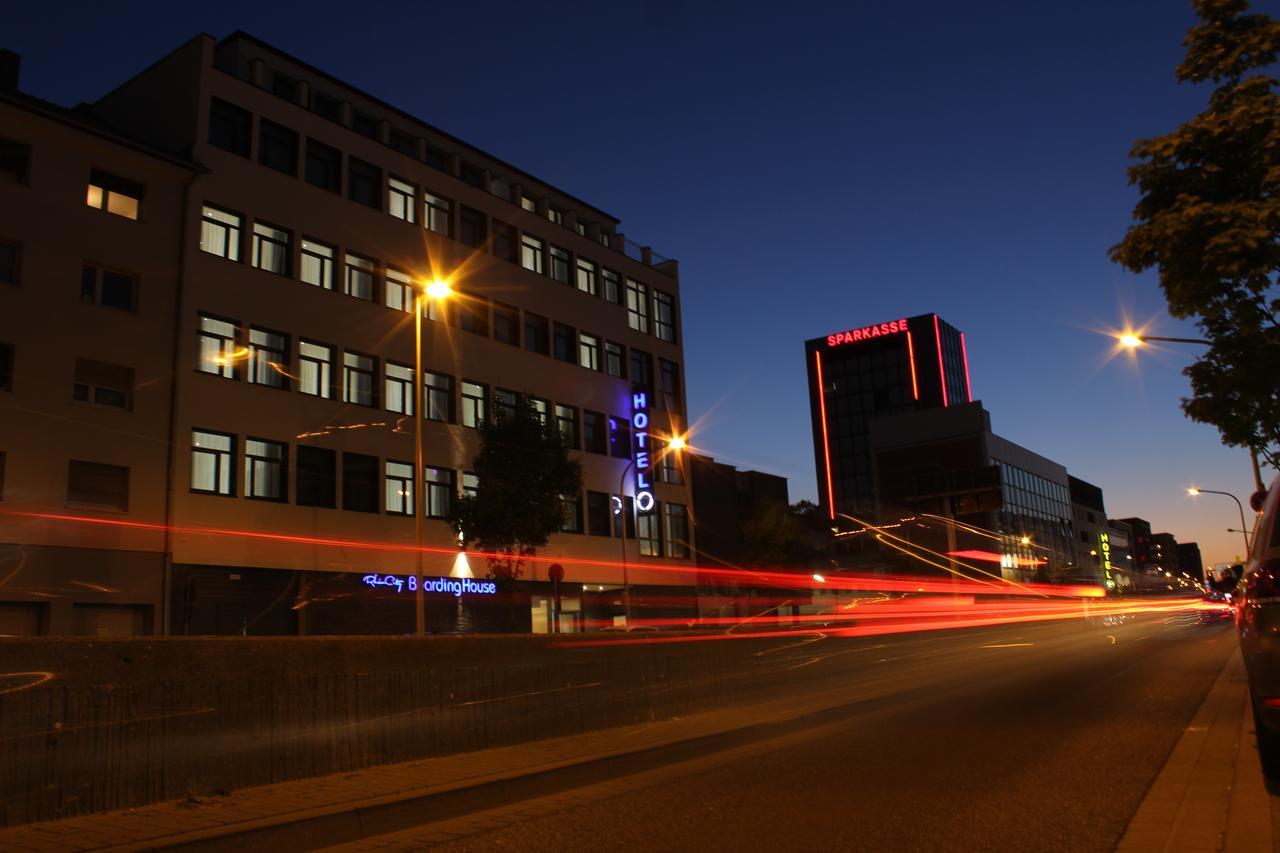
(440, 491)
(616, 505)
(641, 368)
(472, 174)
(537, 333)
(9, 253)
(471, 230)
(1, 475)
(612, 286)
(107, 287)
(364, 183)
(364, 124)
(6, 367)
(324, 166)
(471, 313)
(677, 524)
(559, 264)
(669, 385)
(278, 147)
(230, 127)
(619, 438)
(506, 324)
(615, 356)
(15, 160)
(599, 514)
(317, 477)
(359, 482)
(403, 142)
(567, 423)
(284, 86)
(664, 321)
(438, 401)
(98, 485)
(437, 159)
(595, 435)
(572, 514)
(325, 106)
(565, 340)
(103, 384)
(504, 241)
(504, 403)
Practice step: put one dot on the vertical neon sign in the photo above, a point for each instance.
(964, 353)
(826, 443)
(640, 448)
(942, 373)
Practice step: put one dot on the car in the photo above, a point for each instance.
(1257, 602)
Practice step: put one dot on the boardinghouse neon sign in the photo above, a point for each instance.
(641, 448)
(457, 586)
(866, 333)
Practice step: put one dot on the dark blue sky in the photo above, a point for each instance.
(812, 167)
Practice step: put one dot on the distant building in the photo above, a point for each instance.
(1119, 568)
(725, 499)
(1190, 561)
(1163, 557)
(1139, 542)
(1095, 551)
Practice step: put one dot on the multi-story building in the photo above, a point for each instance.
(857, 375)
(1140, 547)
(1190, 561)
(1095, 551)
(281, 224)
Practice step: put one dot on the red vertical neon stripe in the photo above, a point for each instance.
(968, 389)
(911, 356)
(826, 444)
(942, 376)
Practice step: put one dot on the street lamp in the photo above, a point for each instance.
(1193, 491)
(436, 290)
(675, 444)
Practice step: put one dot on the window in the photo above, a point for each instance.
(641, 368)
(358, 372)
(103, 384)
(359, 279)
(399, 388)
(114, 195)
(278, 147)
(506, 324)
(323, 167)
(364, 183)
(439, 159)
(399, 488)
(559, 264)
(15, 160)
(504, 404)
(620, 438)
(473, 398)
(325, 106)
(470, 484)
(472, 174)
(317, 483)
(284, 86)
(616, 503)
(359, 482)
(315, 369)
(615, 359)
(9, 253)
(504, 241)
(471, 314)
(649, 534)
(580, 227)
(403, 142)
(270, 248)
(587, 279)
(664, 320)
(268, 357)
(612, 286)
(230, 127)
(541, 409)
(677, 518)
(220, 233)
(567, 424)
(216, 347)
(402, 199)
(595, 436)
(436, 213)
(531, 253)
(599, 514)
(6, 367)
(471, 227)
(107, 288)
(537, 333)
(528, 204)
(572, 514)
(265, 470)
(668, 465)
(97, 485)
(500, 187)
(438, 396)
(398, 291)
(669, 385)
(440, 490)
(589, 351)
(317, 264)
(364, 124)
(564, 343)
(637, 305)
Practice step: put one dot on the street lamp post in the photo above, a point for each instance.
(437, 290)
(675, 444)
(1193, 491)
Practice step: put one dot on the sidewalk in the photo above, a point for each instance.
(1210, 795)
(311, 813)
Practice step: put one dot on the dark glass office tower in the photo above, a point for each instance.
(859, 374)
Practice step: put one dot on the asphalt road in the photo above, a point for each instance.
(1034, 737)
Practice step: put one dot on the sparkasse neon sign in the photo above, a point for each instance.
(866, 333)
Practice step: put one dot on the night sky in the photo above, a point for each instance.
(812, 168)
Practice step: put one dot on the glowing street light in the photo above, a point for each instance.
(1026, 540)
(437, 290)
(1194, 492)
(1130, 341)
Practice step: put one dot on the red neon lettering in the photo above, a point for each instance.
(867, 332)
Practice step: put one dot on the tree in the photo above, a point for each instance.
(1208, 220)
(523, 470)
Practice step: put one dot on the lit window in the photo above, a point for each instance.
(473, 404)
(270, 248)
(669, 466)
(399, 388)
(317, 264)
(470, 484)
(541, 409)
(399, 480)
(637, 305)
(315, 369)
(265, 472)
(649, 534)
(435, 213)
(398, 291)
(114, 195)
(567, 423)
(589, 351)
(531, 253)
(556, 216)
(401, 199)
(268, 358)
(559, 264)
(440, 490)
(358, 372)
(572, 514)
(220, 233)
(216, 352)
(528, 204)
(359, 278)
(211, 462)
(587, 280)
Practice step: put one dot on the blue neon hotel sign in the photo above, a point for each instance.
(641, 448)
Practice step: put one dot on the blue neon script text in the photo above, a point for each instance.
(457, 586)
